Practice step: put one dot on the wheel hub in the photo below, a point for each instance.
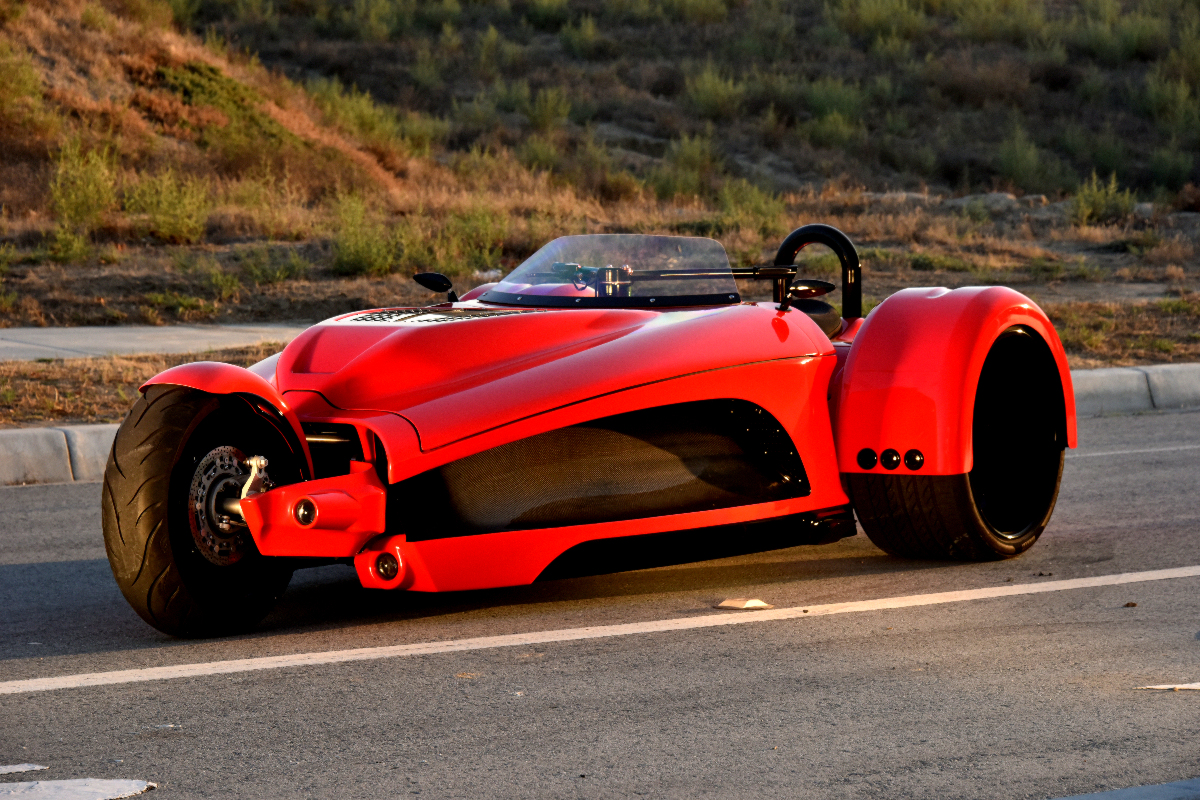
(221, 538)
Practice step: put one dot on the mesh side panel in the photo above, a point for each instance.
(667, 460)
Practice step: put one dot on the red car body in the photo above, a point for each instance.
(420, 392)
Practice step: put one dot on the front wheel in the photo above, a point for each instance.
(1000, 508)
(184, 565)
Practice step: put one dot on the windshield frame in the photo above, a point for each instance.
(538, 300)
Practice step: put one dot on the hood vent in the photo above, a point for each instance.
(422, 316)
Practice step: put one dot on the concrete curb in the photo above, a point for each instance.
(79, 452)
(1129, 390)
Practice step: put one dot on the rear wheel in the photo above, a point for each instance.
(1000, 508)
(184, 566)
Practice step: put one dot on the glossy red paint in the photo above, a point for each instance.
(515, 558)
(218, 378)
(350, 510)
(366, 564)
(454, 380)
(909, 379)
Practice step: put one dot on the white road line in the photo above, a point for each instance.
(575, 634)
(11, 768)
(1132, 452)
(76, 789)
(1174, 687)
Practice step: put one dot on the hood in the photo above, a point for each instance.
(457, 371)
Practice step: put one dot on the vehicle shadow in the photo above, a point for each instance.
(74, 608)
(335, 598)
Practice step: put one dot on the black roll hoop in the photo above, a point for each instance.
(841, 245)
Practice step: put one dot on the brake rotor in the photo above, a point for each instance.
(220, 475)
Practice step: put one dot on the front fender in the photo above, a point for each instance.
(215, 377)
(911, 375)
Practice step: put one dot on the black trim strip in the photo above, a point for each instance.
(667, 301)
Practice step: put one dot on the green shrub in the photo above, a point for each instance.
(696, 12)
(375, 20)
(747, 207)
(1100, 202)
(712, 96)
(688, 168)
(95, 17)
(361, 245)
(511, 97)
(540, 152)
(465, 242)
(176, 209)
(224, 285)
(490, 53)
(8, 257)
(21, 89)
(246, 129)
(782, 91)
(1016, 21)
(768, 31)
(356, 113)
(1169, 102)
(939, 262)
(831, 130)
(440, 13)
(871, 19)
(632, 10)
(827, 96)
(1020, 161)
(1171, 167)
(426, 73)
(82, 190)
(584, 40)
(450, 42)
(262, 267)
(185, 307)
(547, 15)
(421, 132)
(476, 115)
(549, 108)
(378, 128)
(1113, 38)
(1183, 62)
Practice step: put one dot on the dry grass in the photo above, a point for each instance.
(1114, 334)
(94, 389)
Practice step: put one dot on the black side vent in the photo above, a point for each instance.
(667, 460)
(333, 447)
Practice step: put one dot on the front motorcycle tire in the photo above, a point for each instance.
(178, 569)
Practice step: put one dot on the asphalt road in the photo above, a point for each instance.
(1021, 697)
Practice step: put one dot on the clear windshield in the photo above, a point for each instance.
(621, 271)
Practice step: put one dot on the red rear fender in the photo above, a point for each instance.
(217, 378)
(910, 378)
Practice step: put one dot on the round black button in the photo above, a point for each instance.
(889, 458)
(914, 460)
(866, 458)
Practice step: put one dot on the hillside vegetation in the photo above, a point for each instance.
(251, 159)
